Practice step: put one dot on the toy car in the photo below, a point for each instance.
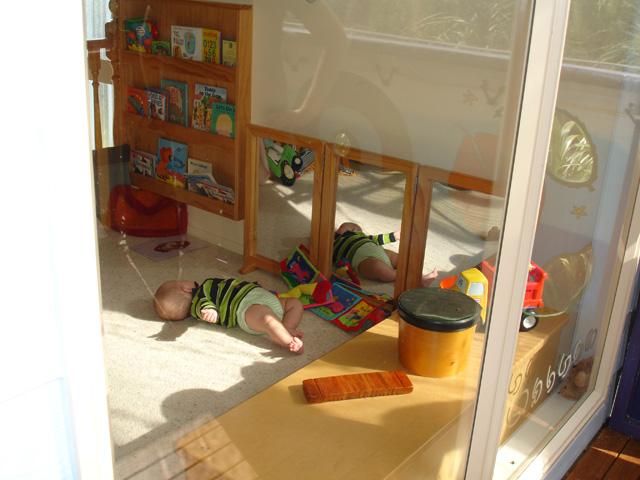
(476, 283)
(472, 283)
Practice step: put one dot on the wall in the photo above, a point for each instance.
(399, 96)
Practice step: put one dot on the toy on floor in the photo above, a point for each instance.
(310, 294)
(472, 283)
(287, 162)
(350, 308)
(356, 385)
(297, 269)
(477, 282)
(344, 269)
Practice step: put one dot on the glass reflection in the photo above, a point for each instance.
(285, 198)
(369, 202)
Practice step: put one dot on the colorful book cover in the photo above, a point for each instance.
(204, 98)
(211, 51)
(177, 101)
(171, 166)
(186, 42)
(223, 119)
(219, 192)
(199, 167)
(143, 163)
(157, 100)
(140, 34)
(343, 300)
(161, 47)
(229, 53)
(137, 101)
(200, 183)
(297, 269)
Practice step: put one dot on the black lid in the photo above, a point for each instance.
(438, 309)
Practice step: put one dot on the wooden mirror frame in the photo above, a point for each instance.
(255, 133)
(329, 198)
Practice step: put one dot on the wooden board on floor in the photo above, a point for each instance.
(596, 461)
(627, 465)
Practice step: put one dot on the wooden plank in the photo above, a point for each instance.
(356, 385)
(599, 457)
(408, 208)
(419, 229)
(328, 212)
(627, 465)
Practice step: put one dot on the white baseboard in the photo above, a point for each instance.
(216, 229)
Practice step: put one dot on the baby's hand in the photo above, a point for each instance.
(209, 315)
(397, 234)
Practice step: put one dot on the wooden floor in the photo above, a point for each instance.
(611, 455)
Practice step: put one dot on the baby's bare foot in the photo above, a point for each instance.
(429, 277)
(295, 345)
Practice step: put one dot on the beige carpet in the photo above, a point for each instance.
(166, 377)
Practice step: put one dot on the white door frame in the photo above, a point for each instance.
(538, 100)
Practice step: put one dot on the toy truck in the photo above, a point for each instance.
(476, 283)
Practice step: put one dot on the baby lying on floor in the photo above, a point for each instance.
(232, 302)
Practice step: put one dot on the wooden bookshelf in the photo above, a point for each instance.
(145, 70)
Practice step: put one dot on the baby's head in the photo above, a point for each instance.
(348, 227)
(172, 300)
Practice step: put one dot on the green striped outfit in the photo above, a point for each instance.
(346, 245)
(223, 294)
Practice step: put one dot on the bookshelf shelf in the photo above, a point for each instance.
(177, 132)
(181, 195)
(188, 67)
(145, 70)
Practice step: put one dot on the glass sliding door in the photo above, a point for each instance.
(392, 122)
(589, 189)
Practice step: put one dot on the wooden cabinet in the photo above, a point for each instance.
(144, 70)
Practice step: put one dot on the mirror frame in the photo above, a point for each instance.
(255, 134)
(329, 199)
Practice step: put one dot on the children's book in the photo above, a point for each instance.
(157, 100)
(297, 269)
(204, 98)
(219, 192)
(198, 167)
(343, 301)
(140, 34)
(137, 101)
(229, 53)
(177, 101)
(172, 162)
(186, 42)
(199, 182)
(143, 163)
(161, 47)
(223, 119)
(211, 45)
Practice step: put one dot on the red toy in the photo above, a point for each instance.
(532, 294)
